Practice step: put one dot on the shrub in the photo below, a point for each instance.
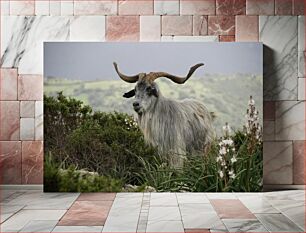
(108, 144)
(99, 151)
(61, 116)
(73, 180)
(100, 142)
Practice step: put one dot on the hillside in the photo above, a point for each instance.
(227, 96)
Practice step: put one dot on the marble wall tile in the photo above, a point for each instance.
(30, 87)
(200, 25)
(301, 46)
(124, 215)
(247, 28)
(150, 28)
(66, 7)
(231, 209)
(203, 7)
(8, 84)
(168, 213)
(42, 7)
(27, 129)
(88, 229)
(137, 197)
(87, 28)
(20, 219)
(238, 225)
(205, 218)
(224, 38)
(284, 200)
(221, 196)
(192, 198)
(277, 223)
(165, 226)
(135, 7)
(189, 39)
(5, 7)
(166, 7)
(260, 7)
(46, 201)
(97, 197)
(55, 7)
(122, 28)
(9, 210)
(230, 7)
(163, 199)
(27, 109)
(176, 25)
(268, 131)
(9, 120)
(277, 163)
(22, 40)
(296, 213)
(258, 205)
(290, 120)
(221, 25)
(283, 7)
(39, 120)
(279, 35)
(22, 7)
(10, 162)
(86, 213)
(269, 110)
(298, 7)
(301, 88)
(39, 226)
(299, 162)
(107, 7)
(167, 38)
(32, 162)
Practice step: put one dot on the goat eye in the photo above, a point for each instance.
(148, 89)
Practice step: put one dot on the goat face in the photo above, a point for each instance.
(146, 94)
(146, 91)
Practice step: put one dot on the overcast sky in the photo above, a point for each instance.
(93, 60)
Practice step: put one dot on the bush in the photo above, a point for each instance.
(98, 151)
(61, 116)
(105, 143)
(72, 180)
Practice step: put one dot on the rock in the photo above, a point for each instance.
(135, 188)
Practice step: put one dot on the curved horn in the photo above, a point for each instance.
(129, 79)
(177, 79)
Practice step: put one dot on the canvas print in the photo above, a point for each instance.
(153, 117)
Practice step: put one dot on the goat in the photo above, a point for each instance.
(176, 128)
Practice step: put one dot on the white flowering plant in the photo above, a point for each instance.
(233, 163)
(131, 123)
(227, 157)
(241, 152)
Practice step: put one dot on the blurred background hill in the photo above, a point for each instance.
(225, 95)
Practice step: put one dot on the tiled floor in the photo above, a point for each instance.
(35, 211)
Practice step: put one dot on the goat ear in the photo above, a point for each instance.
(129, 94)
(154, 92)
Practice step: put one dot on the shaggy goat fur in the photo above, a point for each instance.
(177, 127)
